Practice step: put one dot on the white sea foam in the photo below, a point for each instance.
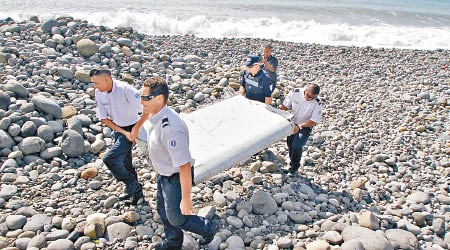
(388, 36)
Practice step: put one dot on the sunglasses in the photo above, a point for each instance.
(146, 98)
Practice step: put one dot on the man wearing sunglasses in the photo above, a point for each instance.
(307, 110)
(255, 84)
(118, 104)
(168, 148)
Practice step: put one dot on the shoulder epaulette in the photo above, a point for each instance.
(165, 122)
(318, 100)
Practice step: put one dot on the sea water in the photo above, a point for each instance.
(411, 24)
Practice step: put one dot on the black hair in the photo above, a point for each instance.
(158, 85)
(314, 88)
(99, 71)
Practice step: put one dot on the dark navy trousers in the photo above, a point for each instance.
(119, 161)
(295, 144)
(168, 206)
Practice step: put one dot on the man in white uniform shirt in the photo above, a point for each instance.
(118, 104)
(168, 148)
(307, 110)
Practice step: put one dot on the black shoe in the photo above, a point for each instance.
(293, 170)
(138, 198)
(207, 239)
(163, 245)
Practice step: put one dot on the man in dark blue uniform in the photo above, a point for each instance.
(269, 64)
(255, 84)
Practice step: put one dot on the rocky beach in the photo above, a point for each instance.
(376, 170)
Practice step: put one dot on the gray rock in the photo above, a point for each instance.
(144, 230)
(57, 234)
(80, 241)
(45, 132)
(111, 201)
(15, 221)
(72, 143)
(4, 100)
(95, 185)
(438, 226)
(8, 191)
(105, 48)
(17, 88)
(65, 72)
(419, 197)
(28, 129)
(234, 221)
(223, 82)
(447, 238)
(199, 97)
(207, 212)
(352, 245)
(371, 240)
(235, 242)
(193, 58)
(37, 222)
(38, 241)
(50, 153)
(11, 28)
(284, 243)
(83, 76)
(47, 106)
(332, 237)
(61, 244)
(119, 230)
(130, 245)
(219, 198)
(48, 25)
(263, 203)
(86, 47)
(56, 126)
(27, 108)
(10, 163)
(84, 119)
(75, 124)
(14, 130)
(402, 239)
(31, 145)
(6, 141)
(125, 42)
(16, 204)
(4, 123)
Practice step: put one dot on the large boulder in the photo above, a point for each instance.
(47, 105)
(370, 239)
(31, 145)
(4, 100)
(72, 143)
(17, 88)
(37, 222)
(263, 203)
(48, 25)
(86, 47)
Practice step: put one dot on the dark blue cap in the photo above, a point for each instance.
(251, 60)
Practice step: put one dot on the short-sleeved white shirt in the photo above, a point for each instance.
(121, 105)
(168, 142)
(302, 109)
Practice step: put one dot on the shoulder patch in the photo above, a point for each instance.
(297, 90)
(138, 96)
(165, 122)
(173, 143)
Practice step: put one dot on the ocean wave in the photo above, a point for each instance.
(381, 35)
